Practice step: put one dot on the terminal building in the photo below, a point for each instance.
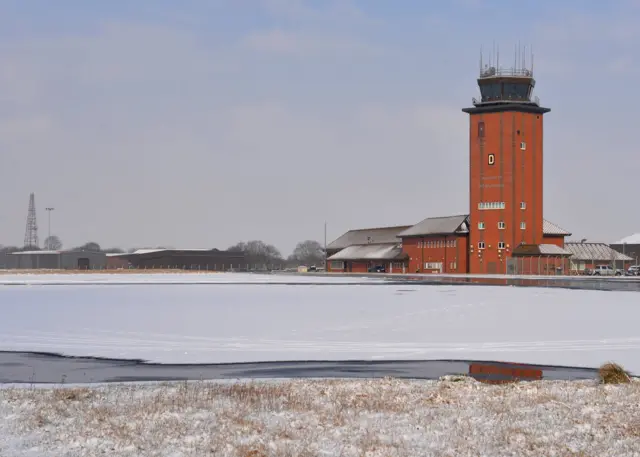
(504, 231)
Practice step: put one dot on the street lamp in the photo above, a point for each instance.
(49, 228)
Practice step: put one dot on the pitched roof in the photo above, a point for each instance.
(428, 226)
(388, 251)
(549, 228)
(540, 249)
(379, 235)
(594, 251)
(438, 226)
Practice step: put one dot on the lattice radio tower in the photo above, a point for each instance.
(31, 231)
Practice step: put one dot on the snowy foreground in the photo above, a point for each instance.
(455, 417)
(260, 320)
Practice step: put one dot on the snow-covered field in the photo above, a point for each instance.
(212, 319)
(172, 278)
(382, 418)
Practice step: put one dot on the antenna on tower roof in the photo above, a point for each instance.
(531, 60)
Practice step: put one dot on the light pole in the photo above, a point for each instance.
(49, 228)
(325, 246)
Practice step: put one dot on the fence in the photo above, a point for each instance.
(558, 266)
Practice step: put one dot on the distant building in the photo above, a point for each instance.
(57, 260)
(589, 255)
(186, 259)
(440, 245)
(357, 251)
(629, 246)
(117, 261)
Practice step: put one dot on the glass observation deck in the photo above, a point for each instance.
(506, 85)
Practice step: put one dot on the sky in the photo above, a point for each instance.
(198, 124)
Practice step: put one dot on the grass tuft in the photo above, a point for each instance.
(612, 373)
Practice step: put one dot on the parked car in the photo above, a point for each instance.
(606, 270)
(633, 270)
(377, 269)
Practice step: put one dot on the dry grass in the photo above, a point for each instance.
(612, 373)
(343, 418)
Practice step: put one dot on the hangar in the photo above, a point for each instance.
(186, 259)
(57, 260)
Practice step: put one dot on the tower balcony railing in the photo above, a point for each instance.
(489, 72)
(486, 100)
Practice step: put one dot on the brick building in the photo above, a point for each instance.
(505, 231)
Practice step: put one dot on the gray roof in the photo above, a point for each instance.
(426, 227)
(34, 252)
(594, 251)
(438, 226)
(549, 228)
(379, 235)
(552, 249)
(388, 251)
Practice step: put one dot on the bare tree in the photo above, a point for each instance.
(259, 254)
(90, 246)
(307, 252)
(52, 243)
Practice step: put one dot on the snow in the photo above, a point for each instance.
(245, 318)
(378, 418)
(125, 277)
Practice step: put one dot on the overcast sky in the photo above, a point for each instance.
(202, 123)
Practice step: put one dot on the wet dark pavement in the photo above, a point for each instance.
(48, 368)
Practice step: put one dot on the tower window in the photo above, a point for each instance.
(492, 159)
(480, 225)
(523, 205)
(501, 225)
(481, 245)
(481, 129)
(523, 225)
(501, 245)
(523, 146)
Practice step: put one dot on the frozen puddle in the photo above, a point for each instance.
(192, 324)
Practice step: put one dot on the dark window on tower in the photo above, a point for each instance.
(516, 91)
(481, 129)
(490, 92)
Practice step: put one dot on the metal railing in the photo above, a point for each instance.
(628, 284)
(490, 72)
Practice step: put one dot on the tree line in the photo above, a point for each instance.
(257, 252)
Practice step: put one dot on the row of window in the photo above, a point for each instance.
(437, 244)
(491, 205)
(438, 266)
(502, 225)
(501, 245)
(497, 205)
